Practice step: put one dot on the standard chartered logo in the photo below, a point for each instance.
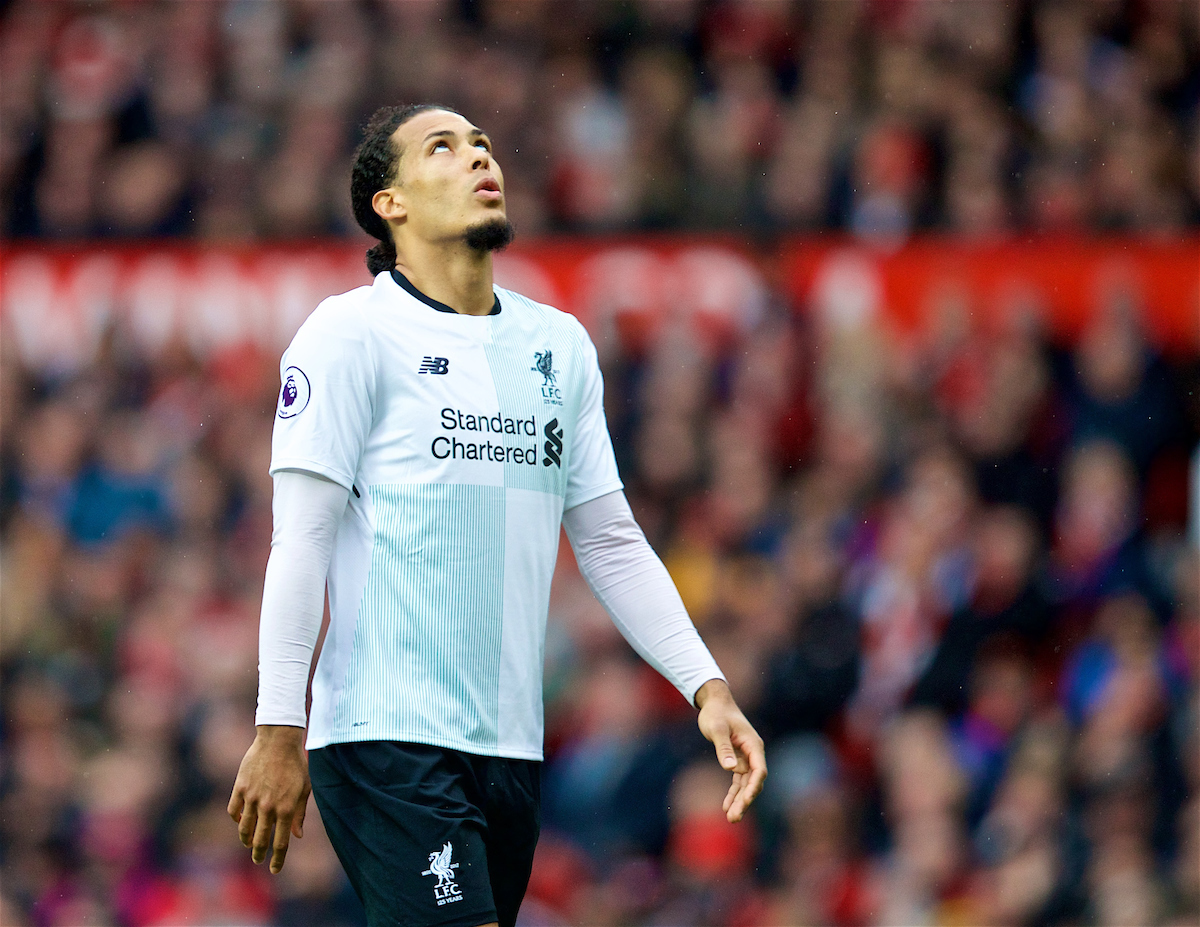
(553, 444)
(469, 436)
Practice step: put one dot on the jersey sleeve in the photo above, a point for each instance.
(326, 398)
(636, 590)
(593, 468)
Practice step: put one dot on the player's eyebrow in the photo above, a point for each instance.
(474, 130)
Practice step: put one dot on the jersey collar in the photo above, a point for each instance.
(404, 282)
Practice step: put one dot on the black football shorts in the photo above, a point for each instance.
(430, 836)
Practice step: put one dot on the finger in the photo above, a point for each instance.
(732, 793)
(749, 747)
(283, 831)
(247, 823)
(737, 809)
(262, 835)
(742, 766)
(726, 755)
(237, 802)
(298, 820)
(751, 786)
(754, 785)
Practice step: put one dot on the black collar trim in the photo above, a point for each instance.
(404, 282)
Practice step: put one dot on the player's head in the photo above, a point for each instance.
(425, 171)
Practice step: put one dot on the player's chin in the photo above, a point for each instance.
(491, 234)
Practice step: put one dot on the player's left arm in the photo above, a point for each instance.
(636, 590)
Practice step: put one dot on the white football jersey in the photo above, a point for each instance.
(461, 439)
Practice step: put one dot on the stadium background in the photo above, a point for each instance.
(897, 306)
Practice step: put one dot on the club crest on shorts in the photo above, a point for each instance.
(295, 393)
(446, 891)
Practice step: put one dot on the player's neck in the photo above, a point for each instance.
(459, 276)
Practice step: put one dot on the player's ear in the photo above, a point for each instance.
(389, 204)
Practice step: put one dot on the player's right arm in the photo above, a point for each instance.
(271, 792)
(326, 407)
(272, 787)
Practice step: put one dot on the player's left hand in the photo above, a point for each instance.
(739, 748)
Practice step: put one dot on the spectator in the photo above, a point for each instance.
(1119, 390)
(976, 118)
(1098, 550)
(1006, 603)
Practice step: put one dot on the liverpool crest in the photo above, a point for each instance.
(446, 891)
(544, 364)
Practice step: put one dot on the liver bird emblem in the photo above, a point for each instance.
(440, 865)
(545, 366)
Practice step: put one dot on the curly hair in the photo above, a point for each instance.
(375, 162)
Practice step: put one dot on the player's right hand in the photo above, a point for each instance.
(270, 794)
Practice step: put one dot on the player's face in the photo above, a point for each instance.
(448, 180)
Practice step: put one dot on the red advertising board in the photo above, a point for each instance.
(1063, 279)
(56, 302)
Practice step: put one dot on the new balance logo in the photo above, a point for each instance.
(554, 444)
(434, 365)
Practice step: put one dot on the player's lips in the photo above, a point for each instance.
(488, 188)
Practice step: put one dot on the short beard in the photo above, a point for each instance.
(490, 235)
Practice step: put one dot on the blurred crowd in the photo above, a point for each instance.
(233, 120)
(949, 578)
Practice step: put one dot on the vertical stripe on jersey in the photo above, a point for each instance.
(427, 642)
(533, 529)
